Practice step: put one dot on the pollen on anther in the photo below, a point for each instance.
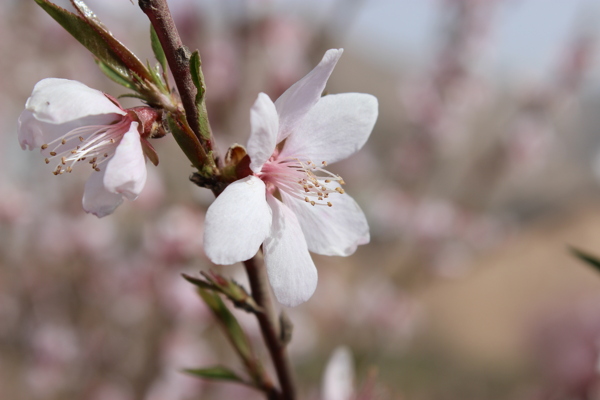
(64, 141)
(324, 163)
(69, 169)
(81, 138)
(47, 161)
(97, 169)
(306, 200)
(112, 141)
(52, 153)
(340, 190)
(312, 203)
(329, 204)
(63, 160)
(320, 198)
(327, 180)
(44, 146)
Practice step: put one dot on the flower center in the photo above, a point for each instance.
(93, 143)
(303, 180)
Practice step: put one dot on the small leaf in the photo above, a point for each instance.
(120, 50)
(197, 77)
(230, 324)
(587, 258)
(86, 35)
(186, 140)
(114, 75)
(200, 283)
(217, 372)
(159, 53)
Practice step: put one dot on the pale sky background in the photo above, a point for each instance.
(526, 36)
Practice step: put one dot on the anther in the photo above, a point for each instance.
(327, 180)
(44, 146)
(329, 204)
(63, 160)
(112, 140)
(340, 190)
(52, 153)
(64, 141)
(320, 198)
(312, 203)
(105, 155)
(73, 151)
(324, 163)
(306, 200)
(69, 169)
(47, 161)
(81, 138)
(97, 169)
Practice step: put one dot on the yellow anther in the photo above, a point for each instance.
(47, 161)
(320, 198)
(324, 163)
(312, 203)
(306, 200)
(63, 160)
(340, 190)
(329, 204)
(64, 141)
(327, 180)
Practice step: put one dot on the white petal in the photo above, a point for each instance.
(96, 199)
(237, 222)
(126, 170)
(291, 270)
(265, 124)
(31, 134)
(295, 102)
(338, 379)
(331, 231)
(58, 101)
(336, 127)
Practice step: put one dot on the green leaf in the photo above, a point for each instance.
(114, 75)
(197, 77)
(187, 141)
(217, 372)
(86, 35)
(233, 329)
(587, 258)
(157, 49)
(120, 50)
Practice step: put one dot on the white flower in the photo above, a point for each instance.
(338, 378)
(291, 204)
(76, 125)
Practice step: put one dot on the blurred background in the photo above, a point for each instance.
(482, 169)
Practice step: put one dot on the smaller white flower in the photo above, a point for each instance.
(75, 125)
(291, 204)
(338, 378)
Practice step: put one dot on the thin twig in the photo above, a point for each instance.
(268, 322)
(178, 58)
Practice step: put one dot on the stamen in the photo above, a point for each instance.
(44, 146)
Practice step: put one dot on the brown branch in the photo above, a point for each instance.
(269, 324)
(178, 58)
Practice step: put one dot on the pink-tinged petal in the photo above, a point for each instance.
(290, 268)
(336, 127)
(264, 124)
(331, 231)
(237, 222)
(57, 101)
(126, 170)
(295, 102)
(96, 199)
